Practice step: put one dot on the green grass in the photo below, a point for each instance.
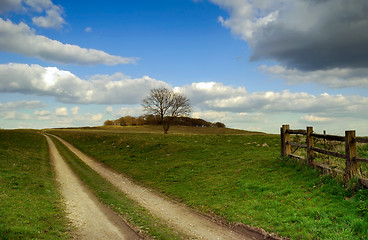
(30, 204)
(235, 178)
(116, 200)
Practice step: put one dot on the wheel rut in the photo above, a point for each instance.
(174, 214)
(90, 218)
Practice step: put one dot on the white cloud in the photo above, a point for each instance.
(109, 109)
(129, 111)
(22, 104)
(75, 110)
(97, 117)
(61, 112)
(39, 5)
(267, 111)
(212, 115)
(204, 92)
(22, 39)
(68, 88)
(78, 120)
(13, 115)
(42, 113)
(246, 17)
(239, 100)
(88, 29)
(208, 96)
(53, 18)
(213, 101)
(312, 118)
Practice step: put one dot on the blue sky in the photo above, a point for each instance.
(253, 65)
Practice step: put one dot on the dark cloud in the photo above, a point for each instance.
(303, 34)
(10, 5)
(339, 39)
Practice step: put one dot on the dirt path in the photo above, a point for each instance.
(179, 216)
(92, 219)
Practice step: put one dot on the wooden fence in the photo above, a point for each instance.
(351, 157)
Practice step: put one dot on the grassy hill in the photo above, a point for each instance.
(173, 130)
(234, 177)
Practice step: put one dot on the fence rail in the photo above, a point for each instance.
(299, 131)
(329, 137)
(350, 156)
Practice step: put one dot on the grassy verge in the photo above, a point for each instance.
(30, 204)
(237, 177)
(111, 196)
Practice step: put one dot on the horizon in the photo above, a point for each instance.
(251, 65)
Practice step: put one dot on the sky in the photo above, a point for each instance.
(253, 65)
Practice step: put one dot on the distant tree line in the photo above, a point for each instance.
(156, 120)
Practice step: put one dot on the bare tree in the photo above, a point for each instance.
(166, 104)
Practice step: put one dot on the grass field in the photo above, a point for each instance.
(142, 220)
(30, 204)
(239, 178)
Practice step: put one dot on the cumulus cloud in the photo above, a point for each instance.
(306, 35)
(20, 38)
(68, 88)
(61, 112)
(53, 18)
(214, 101)
(13, 110)
(42, 113)
(238, 100)
(75, 110)
(39, 5)
(109, 109)
(204, 92)
(313, 118)
(13, 115)
(53, 13)
(129, 111)
(60, 117)
(22, 105)
(211, 115)
(97, 117)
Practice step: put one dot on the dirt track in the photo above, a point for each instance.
(176, 215)
(91, 219)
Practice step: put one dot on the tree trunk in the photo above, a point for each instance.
(166, 124)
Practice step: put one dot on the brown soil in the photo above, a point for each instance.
(90, 218)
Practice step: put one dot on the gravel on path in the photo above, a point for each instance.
(175, 214)
(91, 219)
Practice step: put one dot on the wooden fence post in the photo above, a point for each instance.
(285, 138)
(310, 144)
(351, 166)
